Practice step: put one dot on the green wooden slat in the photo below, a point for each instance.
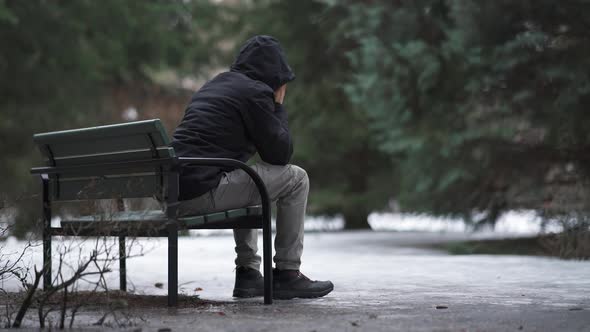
(81, 146)
(213, 217)
(255, 210)
(138, 220)
(145, 223)
(237, 213)
(217, 216)
(193, 220)
(140, 135)
(99, 172)
(105, 188)
(153, 126)
(124, 216)
(143, 154)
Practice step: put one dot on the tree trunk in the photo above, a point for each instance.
(356, 218)
(356, 211)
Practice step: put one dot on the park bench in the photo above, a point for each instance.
(134, 160)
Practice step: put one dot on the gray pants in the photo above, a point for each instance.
(288, 186)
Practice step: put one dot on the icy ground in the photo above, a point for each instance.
(382, 283)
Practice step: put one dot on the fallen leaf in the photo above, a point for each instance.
(198, 289)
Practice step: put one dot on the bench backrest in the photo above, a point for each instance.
(124, 152)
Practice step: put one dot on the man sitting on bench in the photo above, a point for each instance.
(234, 115)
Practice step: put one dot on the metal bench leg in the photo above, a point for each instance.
(46, 234)
(172, 264)
(46, 260)
(122, 264)
(267, 256)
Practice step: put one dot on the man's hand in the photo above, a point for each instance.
(280, 94)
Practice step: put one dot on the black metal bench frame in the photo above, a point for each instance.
(173, 224)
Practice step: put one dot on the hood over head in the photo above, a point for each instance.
(262, 59)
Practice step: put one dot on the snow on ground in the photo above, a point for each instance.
(512, 222)
(383, 281)
(358, 262)
(210, 252)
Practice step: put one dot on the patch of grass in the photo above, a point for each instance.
(531, 246)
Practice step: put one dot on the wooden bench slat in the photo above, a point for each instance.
(193, 220)
(132, 136)
(93, 174)
(129, 155)
(85, 145)
(255, 210)
(86, 188)
(130, 217)
(123, 216)
(116, 130)
(236, 213)
(211, 217)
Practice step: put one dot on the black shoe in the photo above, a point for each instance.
(288, 284)
(249, 282)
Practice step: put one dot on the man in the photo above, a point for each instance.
(234, 115)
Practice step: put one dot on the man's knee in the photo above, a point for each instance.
(300, 176)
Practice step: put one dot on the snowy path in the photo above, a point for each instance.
(381, 282)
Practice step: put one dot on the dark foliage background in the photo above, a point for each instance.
(446, 107)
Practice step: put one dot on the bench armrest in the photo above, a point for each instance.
(226, 162)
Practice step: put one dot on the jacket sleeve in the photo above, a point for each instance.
(267, 126)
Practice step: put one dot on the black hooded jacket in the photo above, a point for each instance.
(234, 115)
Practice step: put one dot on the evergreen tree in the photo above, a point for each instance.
(60, 59)
(479, 104)
(349, 176)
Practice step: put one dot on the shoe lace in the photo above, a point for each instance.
(302, 276)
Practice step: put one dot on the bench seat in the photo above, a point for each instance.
(153, 222)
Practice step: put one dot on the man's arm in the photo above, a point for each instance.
(266, 123)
